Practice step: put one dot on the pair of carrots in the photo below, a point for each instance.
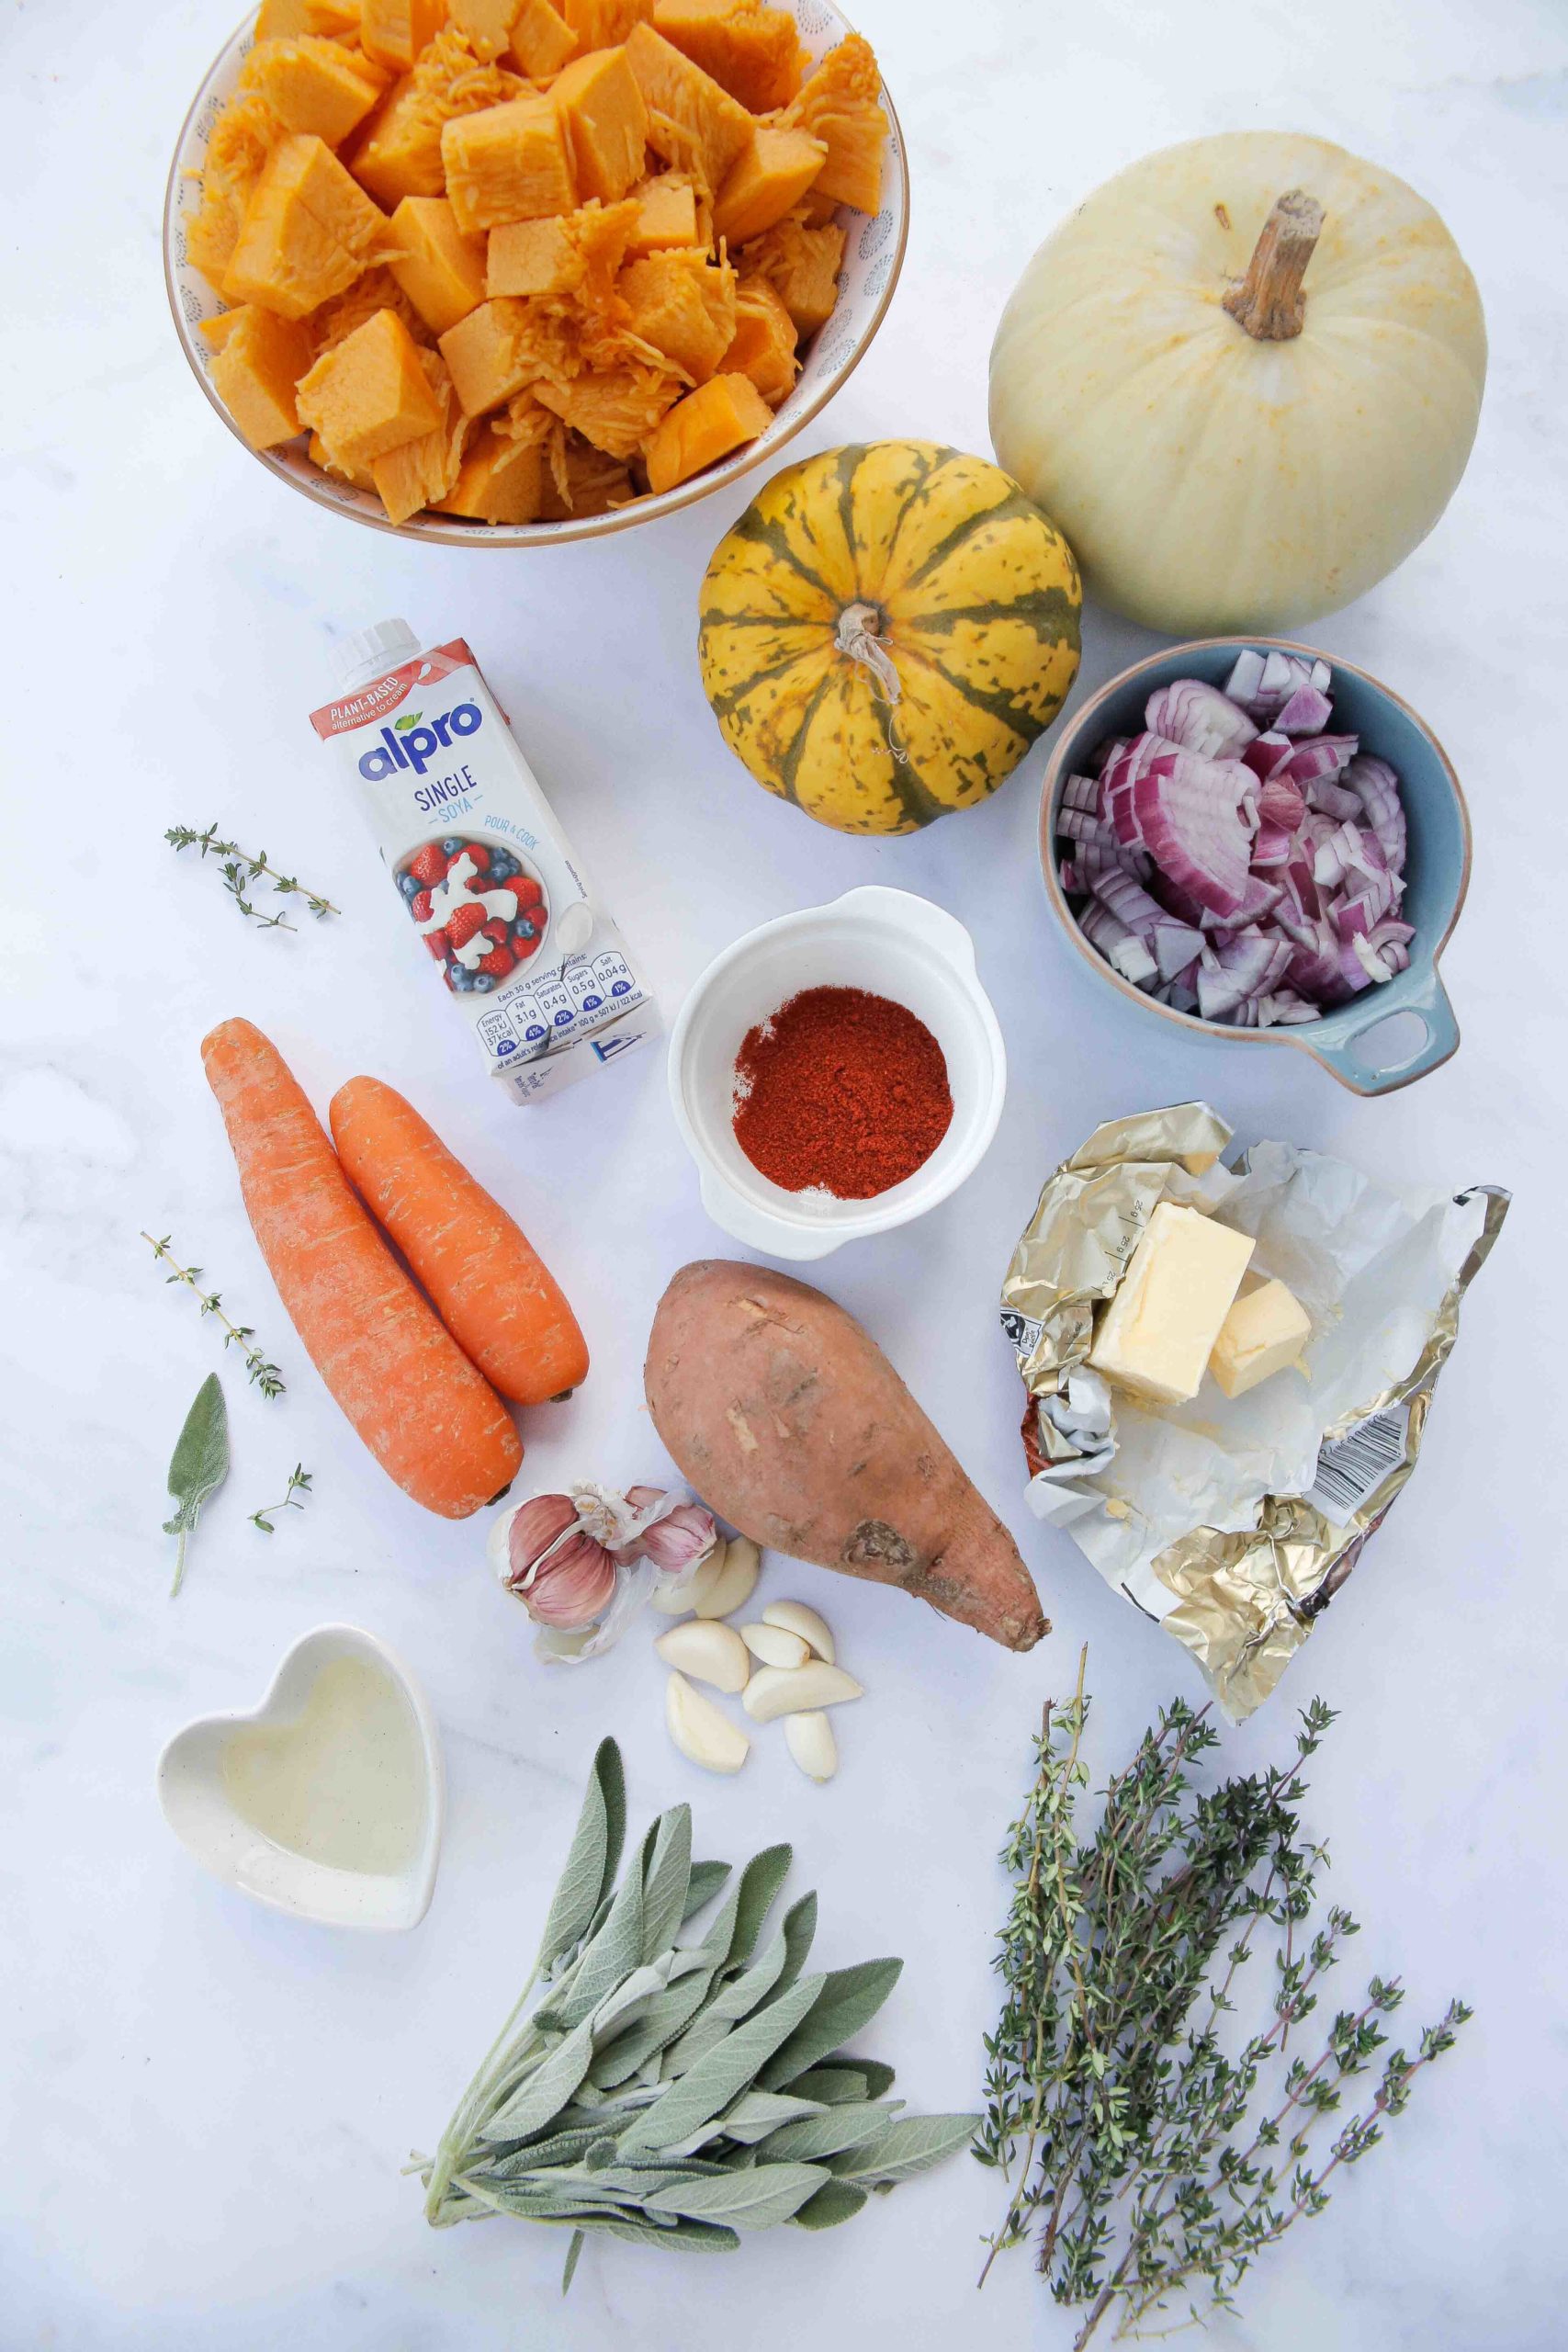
(422, 1379)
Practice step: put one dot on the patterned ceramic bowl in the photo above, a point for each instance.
(873, 253)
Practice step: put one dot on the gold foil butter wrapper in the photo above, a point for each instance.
(1233, 1520)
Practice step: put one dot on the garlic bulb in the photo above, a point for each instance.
(559, 1574)
(585, 1563)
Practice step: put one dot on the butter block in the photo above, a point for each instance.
(1160, 1328)
(1264, 1333)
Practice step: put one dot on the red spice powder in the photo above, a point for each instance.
(841, 1091)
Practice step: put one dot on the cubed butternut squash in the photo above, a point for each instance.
(394, 31)
(244, 136)
(752, 51)
(321, 456)
(258, 361)
(441, 271)
(616, 408)
(684, 307)
(370, 394)
(840, 104)
(419, 471)
(766, 180)
(377, 289)
(802, 264)
(542, 41)
(666, 215)
(763, 346)
(509, 163)
(710, 422)
(691, 122)
(313, 84)
(398, 152)
(487, 23)
(602, 108)
(286, 19)
(559, 256)
(498, 481)
(307, 233)
(604, 24)
(489, 354)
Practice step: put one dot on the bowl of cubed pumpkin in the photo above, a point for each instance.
(501, 272)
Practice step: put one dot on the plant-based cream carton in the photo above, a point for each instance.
(492, 890)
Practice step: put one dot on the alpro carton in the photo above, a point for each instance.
(495, 897)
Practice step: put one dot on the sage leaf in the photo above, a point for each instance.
(199, 1467)
(835, 2201)
(827, 2134)
(667, 2016)
(707, 1880)
(573, 2250)
(878, 2079)
(557, 2148)
(619, 2011)
(669, 1874)
(757, 2199)
(750, 2119)
(849, 1996)
(734, 2000)
(590, 1859)
(831, 2085)
(544, 2093)
(909, 2145)
(605, 1959)
(684, 2237)
(715, 2079)
(799, 1933)
(760, 1882)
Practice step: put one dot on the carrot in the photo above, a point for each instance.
(432, 1422)
(490, 1288)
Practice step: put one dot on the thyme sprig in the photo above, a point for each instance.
(240, 870)
(299, 1485)
(267, 1378)
(1158, 2157)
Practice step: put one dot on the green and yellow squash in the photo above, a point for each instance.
(884, 632)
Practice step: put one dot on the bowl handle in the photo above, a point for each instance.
(758, 1229)
(1430, 1005)
(923, 919)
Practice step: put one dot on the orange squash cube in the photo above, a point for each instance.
(313, 84)
(498, 481)
(763, 345)
(417, 472)
(707, 425)
(489, 354)
(752, 51)
(394, 31)
(508, 163)
(441, 271)
(683, 307)
(377, 289)
(486, 23)
(618, 408)
(287, 20)
(307, 233)
(369, 393)
(604, 24)
(317, 451)
(542, 41)
(802, 264)
(666, 216)
(691, 122)
(767, 179)
(258, 360)
(243, 138)
(557, 256)
(598, 100)
(841, 105)
(398, 152)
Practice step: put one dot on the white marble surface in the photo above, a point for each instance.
(206, 2105)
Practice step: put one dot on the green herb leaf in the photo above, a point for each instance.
(835, 2201)
(707, 1880)
(669, 1875)
(545, 2092)
(829, 2133)
(715, 2079)
(760, 1882)
(200, 1465)
(850, 1997)
(910, 2144)
(590, 1859)
(832, 2085)
(757, 2199)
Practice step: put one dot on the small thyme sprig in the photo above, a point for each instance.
(267, 1378)
(299, 1484)
(1160, 2158)
(240, 870)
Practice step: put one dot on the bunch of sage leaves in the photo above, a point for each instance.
(677, 2093)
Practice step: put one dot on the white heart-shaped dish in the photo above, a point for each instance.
(198, 1801)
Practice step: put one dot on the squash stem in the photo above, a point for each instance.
(1268, 301)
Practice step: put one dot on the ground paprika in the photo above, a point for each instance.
(841, 1091)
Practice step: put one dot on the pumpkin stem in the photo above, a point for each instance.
(858, 638)
(1268, 302)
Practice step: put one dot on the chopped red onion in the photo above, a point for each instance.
(1123, 952)
(1377, 787)
(1199, 717)
(1265, 754)
(1322, 755)
(1272, 846)
(1084, 792)
(1175, 946)
(1129, 903)
(1306, 713)
(1280, 802)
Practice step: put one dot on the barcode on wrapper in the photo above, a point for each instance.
(1355, 1466)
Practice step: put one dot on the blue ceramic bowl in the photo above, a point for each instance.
(1359, 1044)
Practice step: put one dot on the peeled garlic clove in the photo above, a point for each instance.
(736, 1581)
(708, 1652)
(773, 1647)
(796, 1618)
(702, 1734)
(809, 1739)
(793, 1690)
(680, 1600)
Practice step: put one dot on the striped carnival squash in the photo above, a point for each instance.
(884, 632)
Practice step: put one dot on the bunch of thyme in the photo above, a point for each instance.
(240, 870)
(1159, 2152)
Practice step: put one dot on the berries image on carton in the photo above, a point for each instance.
(490, 884)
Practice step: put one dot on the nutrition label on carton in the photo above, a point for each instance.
(492, 890)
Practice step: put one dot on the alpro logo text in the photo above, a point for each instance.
(412, 742)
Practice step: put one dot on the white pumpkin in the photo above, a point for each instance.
(1249, 467)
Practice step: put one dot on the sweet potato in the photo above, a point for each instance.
(791, 1423)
